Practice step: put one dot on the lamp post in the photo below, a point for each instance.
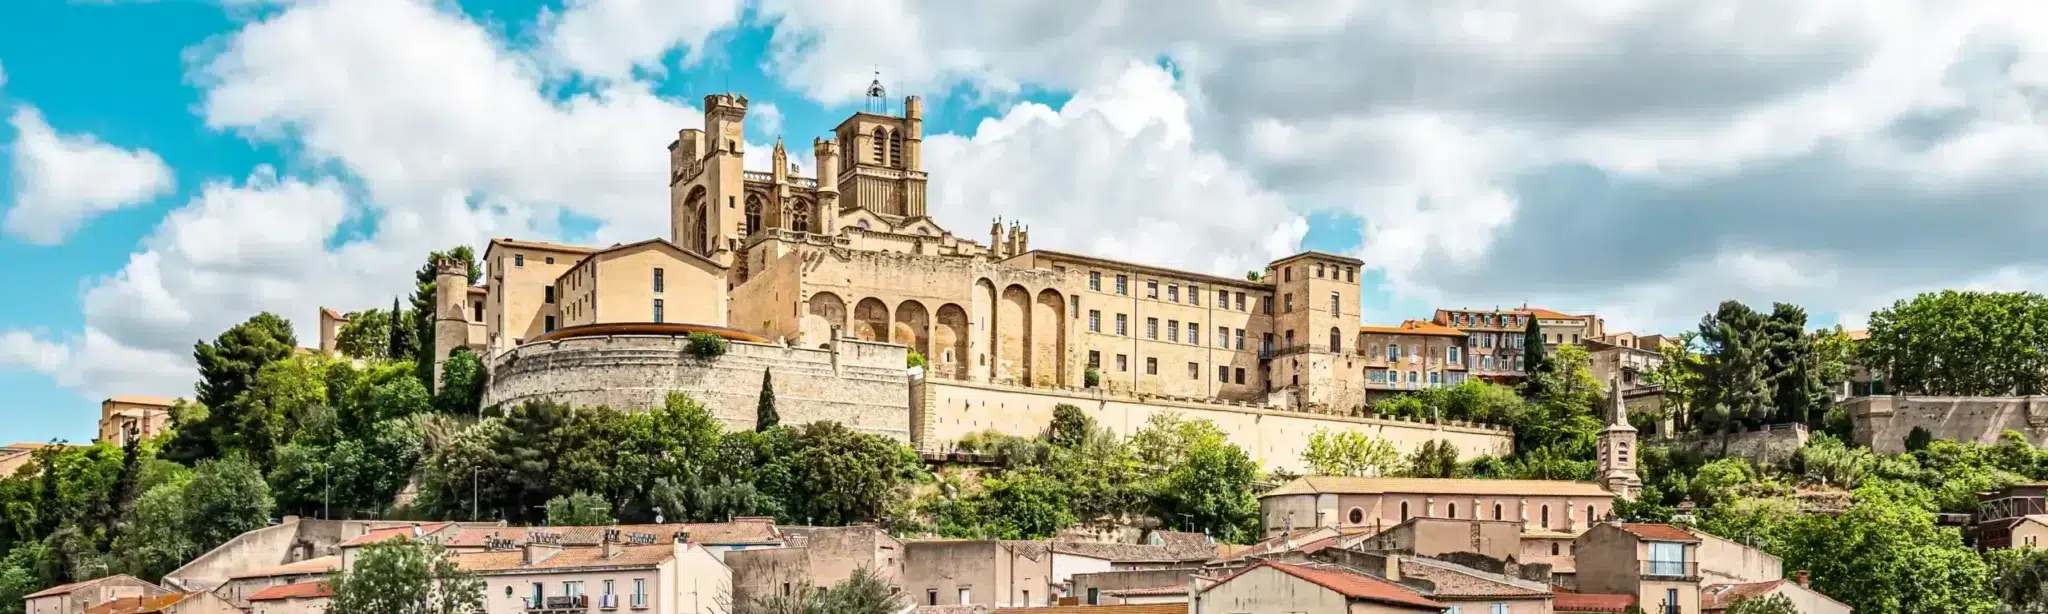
(326, 491)
(475, 487)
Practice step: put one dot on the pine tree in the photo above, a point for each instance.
(764, 412)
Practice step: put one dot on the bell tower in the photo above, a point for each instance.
(1617, 446)
(705, 181)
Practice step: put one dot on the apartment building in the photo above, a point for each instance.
(1414, 355)
(1658, 564)
(544, 576)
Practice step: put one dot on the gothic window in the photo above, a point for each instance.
(801, 220)
(881, 140)
(895, 149)
(753, 215)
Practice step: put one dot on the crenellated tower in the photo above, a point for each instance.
(706, 180)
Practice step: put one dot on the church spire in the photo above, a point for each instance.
(1617, 446)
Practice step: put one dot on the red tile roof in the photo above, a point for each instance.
(302, 590)
(1564, 601)
(1177, 589)
(1413, 327)
(1347, 583)
(309, 567)
(740, 531)
(66, 588)
(378, 535)
(1149, 608)
(139, 605)
(1660, 532)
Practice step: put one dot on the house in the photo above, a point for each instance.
(430, 532)
(1497, 539)
(1371, 504)
(815, 556)
(15, 456)
(1657, 563)
(1725, 561)
(77, 597)
(1309, 588)
(174, 603)
(677, 578)
(293, 540)
(1466, 589)
(1168, 585)
(239, 587)
(302, 598)
(1072, 556)
(2010, 516)
(1001, 573)
(1716, 598)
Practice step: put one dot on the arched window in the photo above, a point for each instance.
(1357, 515)
(863, 224)
(801, 220)
(1454, 511)
(1589, 516)
(1553, 549)
(753, 215)
(881, 142)
(1404, 511)
(1546, 516)
(1496, 511)
(895, 149)
(1336, 340)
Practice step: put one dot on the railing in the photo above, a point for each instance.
(577, 602)
(639, 601)
(757, 176)
(803, 182)
(608, 602)
(1671, 569)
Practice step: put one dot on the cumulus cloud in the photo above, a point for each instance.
(62, 180)
(611, 38)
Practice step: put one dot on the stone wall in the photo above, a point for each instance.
(1773, 444)
(1882, 422)
(944, 411)
(856, 383)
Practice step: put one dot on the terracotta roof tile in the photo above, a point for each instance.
(1413, 327)
(1660, 532)
(139, 605)
(302, 590)
(1177, 589)
(540, 245)
(1564, 601)
(308, 567)
(742, 531)
(1436, 486)
(579, 557)
(378, 535)
(66, 588)
(1455, 582)
(1136, 553)
(1149, 608)
(1718, 596)
(1347, 583)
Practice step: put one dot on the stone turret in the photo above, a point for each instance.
(913, 134)
(828, 185)
(451, 324)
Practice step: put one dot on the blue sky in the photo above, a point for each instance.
(172, 166)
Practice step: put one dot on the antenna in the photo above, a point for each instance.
(878, 94)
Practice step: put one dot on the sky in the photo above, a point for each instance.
(170, 167)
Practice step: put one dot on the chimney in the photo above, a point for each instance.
(535, 551)
(1802, 577)
(611, 544)
(1393, 569)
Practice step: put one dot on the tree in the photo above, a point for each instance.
(2019, 577)
(764, 410)
(1734, 378)
(226, 498)
(406, 577)
(1798, 393)
(154, 540)
(1678, 378)
(1254, 276)
(1435, 459)
(1884, 554)
(227, 367)
(1962, 343)
(1211, 491)
(1070, 426)
(826, 474)
(366, 335)
(863, 592)
(1834, 356)
(462, 383)
(402, 342)
(1918, 439)
(1534, 355)
(1769, 604)
(579, 510)
(1349, 453)
(916, 360)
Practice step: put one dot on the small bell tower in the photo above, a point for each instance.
(1617, 446)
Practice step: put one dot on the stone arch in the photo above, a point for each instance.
(696, 221)
(1013, 335)
(949, 342)
(754, 213)
(895, 149)
(871, 320)
(913, 328)
(827, 310)
(983, 335)
(1048, 339)
(881, 141)
(1336, 340)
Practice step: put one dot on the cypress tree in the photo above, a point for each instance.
(1533, 357)
(764, 412)
(395, 349)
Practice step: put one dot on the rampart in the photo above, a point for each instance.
(857, 383)
(1882, 422)
(944, 411)
(1772, 444)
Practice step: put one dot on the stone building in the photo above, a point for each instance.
(124, 416)
(1372, 504)
(78, 597)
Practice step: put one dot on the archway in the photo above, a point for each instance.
(695, 221)
(912, 328)
(949, 340)
(826, 310)
(871, 320)
(1013, 335)
(1048, 339)
(982, 327)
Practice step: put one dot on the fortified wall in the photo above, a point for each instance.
(856, 383)
(1882, 422)
(942, 412)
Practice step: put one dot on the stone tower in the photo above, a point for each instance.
(827, 220)
(451, 322)
(1617, 446)
(705, 180)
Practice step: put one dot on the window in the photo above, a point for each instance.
(572, 589)
(1393, 353)
(548, 295)
(931, 596)
(1240, 375)
(1240, 301)
(1357, 515)
(1413, 375)
(1173, 331)
(538, 593)
(1451, 355)
(1223, 337)
(1194, 334)
(1123, 284)
(1152, 288)
(1094, 320)
(1094, 359)
(1151, 365)
(1453, 510)
(1240, 341)
(1575, 337)
(1194, 294)
(1666, 559)
(1223, 299)
(1404, 511)
(1287, 274)
(1290, 339)
(1335, 304)
(657, 280)
(1123, 326)
(1554, 549)
(1496, 511)
(608, 588)
(1095, 280)
(1319, 270)
(1589, 513)
(657, 312)
(1194, 370)
(1076, 308)
(1266, 305)
(1518, 363)
(1498, 608)
(479, 309)
(1546, 517)
(1123, 363)
(549, 259)
(1336, 340)
(549, 326)
(1094, 596)
(1350, 275)
(1173, 293)
(519, 260)
(787, 589)
(1435, 377)
(1151, 328)
(1486, 363)
(1453, 609)
(1289, 308)
(1223, 374)
(965, 598)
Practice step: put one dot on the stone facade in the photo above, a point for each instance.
(1883, 422)
(129, 415)
(856, 383)
(1774, 444)
(943, 412)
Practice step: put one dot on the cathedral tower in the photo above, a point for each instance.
(705, 180)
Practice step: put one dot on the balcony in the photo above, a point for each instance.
(559, 604)
(1675, 570)
(608, 602)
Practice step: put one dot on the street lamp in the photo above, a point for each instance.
(475, 486)
(326, 490)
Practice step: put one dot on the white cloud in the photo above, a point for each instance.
(3, 76)
(62, 180)
(611, 38)
(21, 348)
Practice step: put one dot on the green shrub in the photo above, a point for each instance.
(1091, 378)
(706, 345)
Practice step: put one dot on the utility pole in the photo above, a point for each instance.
(475, 487)
(326, 493)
